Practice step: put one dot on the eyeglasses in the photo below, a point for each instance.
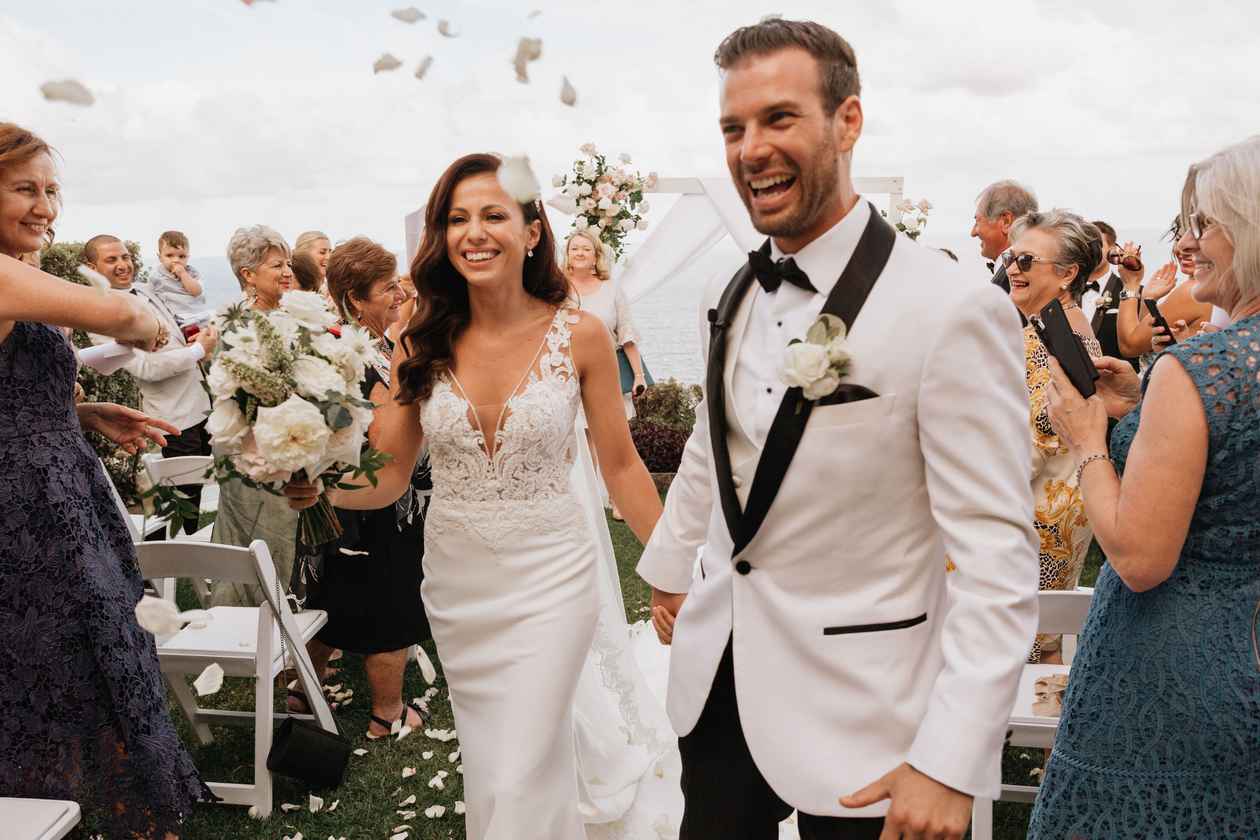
(1024, 261)
(1198, 224)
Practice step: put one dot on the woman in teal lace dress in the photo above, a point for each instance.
(1160, 734)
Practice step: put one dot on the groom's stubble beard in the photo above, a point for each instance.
(819, 182)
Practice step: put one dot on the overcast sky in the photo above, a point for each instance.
(211, 114)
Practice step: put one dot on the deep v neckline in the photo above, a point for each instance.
(474, 422)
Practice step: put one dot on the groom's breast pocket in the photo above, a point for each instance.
(872, 410)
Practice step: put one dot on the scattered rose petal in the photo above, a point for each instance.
(442, 735)
(534, 14)
(401, 836)
(395, 727)
(460, 769)
(453, 758)
(436, 783)
(252, 813)
(408, 15)
(410, 800)
(210, 680)
(407, 815)
(1036, 771)
(423, 67)
(422, 659)
(347, 702)
(427, 754)
(288, 807)
(444, 29)
(459, 807)
(527, 50)
(360, 751)
(401, 828)
(385, 63)
(316, 804)
(568, 95)
(403, 733)
(408, 772)
(67, 90)
(333, 807)
(297, 836)
(517, 178)
(434, 812)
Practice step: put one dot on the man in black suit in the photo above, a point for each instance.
(997, 208)
(1102, 298)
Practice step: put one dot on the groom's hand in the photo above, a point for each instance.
(922, 808)
(665, 607)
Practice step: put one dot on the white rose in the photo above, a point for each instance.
(251, 462)
(291, 436)
(344, 447)
(642, 224)
(643, 207)
(804, 364)
(838, 351)
(557, 180)
(924, 206)
(905, 205)
(820, 388)
(605, 190)
(613, 210)
(222, 384)
(581, 223)
(286, 324)
(623, 157)
(317, 379)
(604, 203)
(584, 189)
(911, 223)
(517, 178)
(587, 203)
(227, 426)
(310, 309)
(627, 225)
(588, 149)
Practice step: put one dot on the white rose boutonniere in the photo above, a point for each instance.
(817, 364)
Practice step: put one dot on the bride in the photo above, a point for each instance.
(555, 727)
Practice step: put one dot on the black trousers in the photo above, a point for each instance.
(727, 798)
(192, 441)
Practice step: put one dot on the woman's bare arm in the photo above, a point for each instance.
(28, 294)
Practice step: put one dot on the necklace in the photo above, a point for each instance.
(1068, 307)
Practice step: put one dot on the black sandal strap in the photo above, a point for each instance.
(387, 724)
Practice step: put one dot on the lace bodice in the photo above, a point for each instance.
(528, 467)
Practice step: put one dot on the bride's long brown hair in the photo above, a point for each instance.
(442, 310)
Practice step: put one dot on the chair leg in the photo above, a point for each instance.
(314, 691)
(202, 590)
(188, 704)
(982, 819)
(264, 701)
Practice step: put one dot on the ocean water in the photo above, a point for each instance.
(668, 318)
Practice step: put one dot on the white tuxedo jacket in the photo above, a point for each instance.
(854, 650)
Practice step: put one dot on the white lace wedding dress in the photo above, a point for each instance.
(560, 737)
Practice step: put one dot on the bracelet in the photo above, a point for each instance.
(1080, 468)
(1127, 295)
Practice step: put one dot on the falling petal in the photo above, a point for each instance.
(384, 63)
(444, 28)
(527, 50)
(534, 14)
(360, 751)
(423, 67)
(408, 772)
(422, 659)
(68, 91)
(408, 15)
(517, 178)
(567, 94)
(157, 615)
(210, 680)
(410, 800)
(316, 804)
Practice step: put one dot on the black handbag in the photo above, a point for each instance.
(302, 749)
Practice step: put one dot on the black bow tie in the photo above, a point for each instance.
(992, 267)
(1092, 285)
(771, 274)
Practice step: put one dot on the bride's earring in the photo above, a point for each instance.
(529, 253)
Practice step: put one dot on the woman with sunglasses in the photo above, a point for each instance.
(1160, 732)
(1052, 256)
(1136, 332)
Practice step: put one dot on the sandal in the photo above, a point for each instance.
(299, 695)
(402, 721)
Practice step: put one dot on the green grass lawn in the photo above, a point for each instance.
(369, 799)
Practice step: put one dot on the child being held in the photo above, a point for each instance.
(175, 282)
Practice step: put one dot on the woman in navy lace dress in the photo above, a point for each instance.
(1160, 734)
(85, 715)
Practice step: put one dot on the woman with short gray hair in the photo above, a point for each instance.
(261, 261)
(1051, 257)
(1162, 714)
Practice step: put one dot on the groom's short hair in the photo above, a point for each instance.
(837, 64)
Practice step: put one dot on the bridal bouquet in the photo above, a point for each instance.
(608, 198)
(285, 386)
(913, 217)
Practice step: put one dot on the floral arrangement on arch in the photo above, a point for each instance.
(914, 216)
(287, 403)
(608, 198)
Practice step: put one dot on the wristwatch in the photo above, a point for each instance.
(1127, 295)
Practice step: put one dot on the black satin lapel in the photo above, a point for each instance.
(846, 300)
(715, 393)
(1001, 280)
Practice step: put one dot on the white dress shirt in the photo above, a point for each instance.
(1089, 300)
(780, 316)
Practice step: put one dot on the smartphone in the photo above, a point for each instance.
(1160, 321)
(1065, 345)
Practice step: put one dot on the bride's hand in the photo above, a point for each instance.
(665, 607)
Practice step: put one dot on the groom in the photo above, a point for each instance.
(823, 658)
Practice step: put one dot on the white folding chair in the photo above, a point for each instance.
(177, 472)
(37, 819)
(1060, 612)
(244, 641)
